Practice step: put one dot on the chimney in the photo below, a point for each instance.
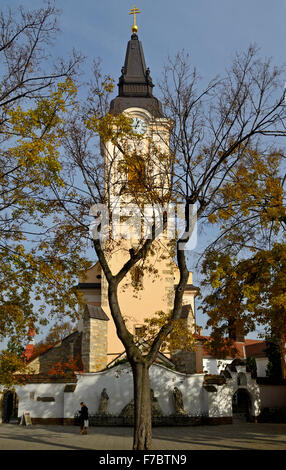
(30, 346)
(235, 331)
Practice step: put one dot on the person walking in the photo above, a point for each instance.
(83, 418)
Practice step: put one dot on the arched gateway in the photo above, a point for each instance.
(241, 405)
(9, 406)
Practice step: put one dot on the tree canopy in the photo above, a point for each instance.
(214, 154)
(35, 94)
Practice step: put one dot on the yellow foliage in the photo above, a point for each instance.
(181, 336)
(212, 218)
(9, 364)
(111, 128)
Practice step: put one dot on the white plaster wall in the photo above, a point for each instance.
(261, 363)
(119, 386)
(164, 380)
(220, 402)
(215, 366)
(118, 382)
(39, 409)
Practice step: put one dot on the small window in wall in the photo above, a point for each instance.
(139, 331)
(241, 379)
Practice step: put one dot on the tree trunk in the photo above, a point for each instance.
(142, 438)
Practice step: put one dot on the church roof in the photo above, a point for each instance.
(190, 288)
(255, 349)
(135, 87)
(241, 349)
(96, 312)
(89, 285)
(161, 358)
(46, 378)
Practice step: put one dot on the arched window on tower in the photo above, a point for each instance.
(137, 173)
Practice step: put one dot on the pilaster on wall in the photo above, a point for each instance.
(94, 340)
(85, 345)
(98, 345)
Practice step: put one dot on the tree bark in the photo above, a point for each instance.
(142, 438)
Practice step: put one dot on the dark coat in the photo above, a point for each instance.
(83, 413)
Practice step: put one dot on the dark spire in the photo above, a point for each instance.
(135, 79)
(135, 87)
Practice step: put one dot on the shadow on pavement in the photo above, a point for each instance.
(247, 436)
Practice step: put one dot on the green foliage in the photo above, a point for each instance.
(250, 291)
(11, 368)
(34, 100)
(16, 348)
(273, 353)
(252, 366)
(181, 337)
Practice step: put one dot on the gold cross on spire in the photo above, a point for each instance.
(134, 11)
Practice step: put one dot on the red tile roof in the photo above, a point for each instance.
(28, 351)
(255, 349)
(250, 347)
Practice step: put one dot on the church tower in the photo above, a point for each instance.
(156, 285)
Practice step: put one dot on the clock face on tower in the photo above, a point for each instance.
(139, 126)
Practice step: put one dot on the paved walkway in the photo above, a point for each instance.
(241, 436)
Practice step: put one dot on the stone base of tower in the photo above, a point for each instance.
(94, 339)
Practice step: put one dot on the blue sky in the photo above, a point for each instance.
(210, 30)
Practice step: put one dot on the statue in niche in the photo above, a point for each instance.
(102, 409)
(155, 407)
(128, 410)
(178, 402)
